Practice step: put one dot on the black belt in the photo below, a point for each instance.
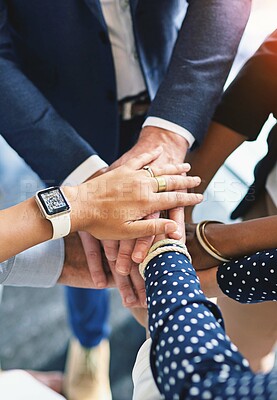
(129, 109)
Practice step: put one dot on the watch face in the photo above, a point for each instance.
(53, 201)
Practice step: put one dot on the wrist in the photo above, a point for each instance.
(219, 236)
(74, 196)
(175, 145)
(44, 230)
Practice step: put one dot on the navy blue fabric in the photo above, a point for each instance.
(57, 78)
(191, 356)
(88, 316)
(252, 279)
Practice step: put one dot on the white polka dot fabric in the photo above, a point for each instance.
(191, 356)
(251, 279)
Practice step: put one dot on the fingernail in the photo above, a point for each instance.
(170, 227)
(100, 285)
(138, 256)
(130, 299)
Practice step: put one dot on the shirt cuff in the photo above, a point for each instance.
(85, 170)
(39, 266)
(170, 126)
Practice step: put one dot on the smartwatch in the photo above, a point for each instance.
(55, 207)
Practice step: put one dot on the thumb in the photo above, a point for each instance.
(151, 227)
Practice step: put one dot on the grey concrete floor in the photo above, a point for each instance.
(35, 334)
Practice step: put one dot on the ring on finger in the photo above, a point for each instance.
(149, 169)
(161, 183)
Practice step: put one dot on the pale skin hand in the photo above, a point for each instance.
(175, 148)
(114, 204)
(131, 287)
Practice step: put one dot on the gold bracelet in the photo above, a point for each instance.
(207, 246)
(160, 250)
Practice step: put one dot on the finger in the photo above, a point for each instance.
(177, 214)
(152, 227)
(143, 245)
(176, 182)
(111, 249)
(124, 261)
(92, 251)
(166, 201)
(138, 284)
(125, 288)
(169, 169)
(144, 159)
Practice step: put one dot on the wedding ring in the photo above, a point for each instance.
(161, 183)
(149, 169)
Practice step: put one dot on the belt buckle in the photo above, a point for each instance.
(126, 110)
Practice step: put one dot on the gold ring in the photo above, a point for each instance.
(149, 169)
(161, 183)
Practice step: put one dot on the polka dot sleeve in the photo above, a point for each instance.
(251, 279)
(191, 356)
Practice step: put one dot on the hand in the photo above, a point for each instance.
(141, 315)
(103, 274)
(112, 205)
(131, 287)
(75, 270)
(175, 148)
(209, 283)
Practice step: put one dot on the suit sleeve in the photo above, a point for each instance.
(203, 55)
(30, 124)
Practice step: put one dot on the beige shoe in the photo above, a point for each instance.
(87, 372)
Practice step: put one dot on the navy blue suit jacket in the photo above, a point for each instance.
(58, 102)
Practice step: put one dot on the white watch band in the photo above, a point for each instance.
(61, 226)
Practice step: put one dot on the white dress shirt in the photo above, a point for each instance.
(144, 385)
(129, 78)
(271, 184)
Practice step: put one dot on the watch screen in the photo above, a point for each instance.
(53, 201)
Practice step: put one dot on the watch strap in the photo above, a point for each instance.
(61, 226)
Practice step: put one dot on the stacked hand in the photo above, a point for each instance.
(115, 196)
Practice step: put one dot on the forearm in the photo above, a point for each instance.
(21, 227)
(218, 144)
(250, 279)
(247, 237)
(28, 121)
(200, 63)
(39, 266)
(75, 271)
(191, 357)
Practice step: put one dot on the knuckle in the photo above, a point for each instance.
(92, 254)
